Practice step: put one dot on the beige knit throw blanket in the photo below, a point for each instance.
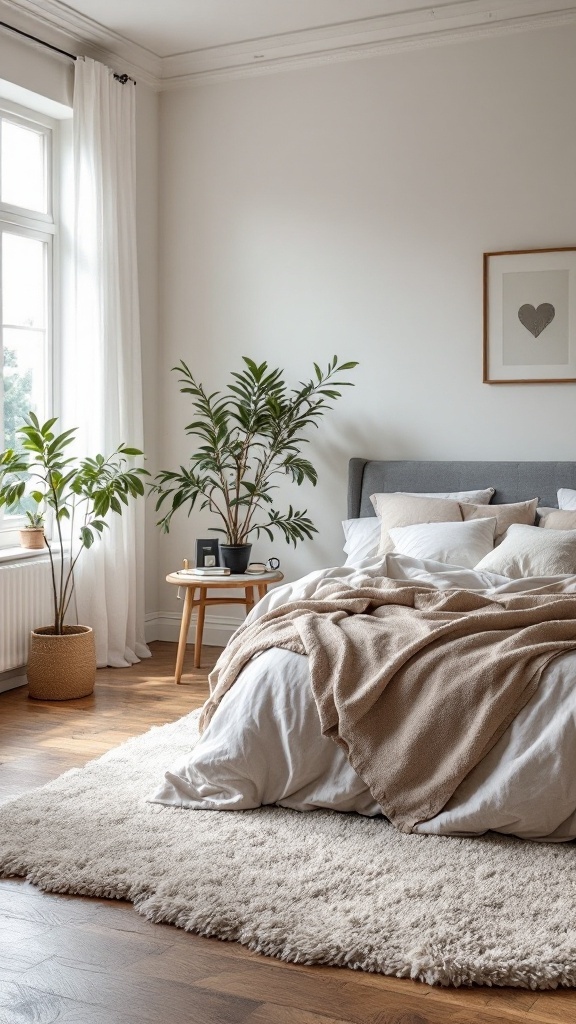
(416, 684)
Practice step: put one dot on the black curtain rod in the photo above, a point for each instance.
(35, 39)
(27, 35)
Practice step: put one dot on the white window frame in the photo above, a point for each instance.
(42, 226)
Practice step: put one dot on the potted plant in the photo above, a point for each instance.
(78, 493)
(245, 437)
(32, 535)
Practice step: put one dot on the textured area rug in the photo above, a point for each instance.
(312, 888)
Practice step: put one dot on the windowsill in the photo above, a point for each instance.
(17, 554)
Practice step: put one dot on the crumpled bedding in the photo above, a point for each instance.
(264, 743)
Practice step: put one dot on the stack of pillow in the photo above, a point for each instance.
(461, 528)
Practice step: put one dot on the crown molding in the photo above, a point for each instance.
(452, 22)
(61, 26)
(433, 26)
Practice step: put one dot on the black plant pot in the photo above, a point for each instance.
(236, 557)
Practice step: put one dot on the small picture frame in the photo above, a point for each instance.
(530, 316)
(207, 553)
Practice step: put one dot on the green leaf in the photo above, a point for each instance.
(137, 486)
(60, 442)
(101, 503)
(86, 536)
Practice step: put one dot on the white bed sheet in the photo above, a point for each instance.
(264, 745)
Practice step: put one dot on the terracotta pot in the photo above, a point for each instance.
(32, 537)
(61, 667)
(236, 557)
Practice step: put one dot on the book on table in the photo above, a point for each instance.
(213, 570)
(202, 571)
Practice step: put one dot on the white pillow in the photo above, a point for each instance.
(362, 537)
(532, 551)
(476, 497)
(454, 543)
(397, 509)
(567, 499)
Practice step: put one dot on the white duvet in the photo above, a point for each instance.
(264, 745)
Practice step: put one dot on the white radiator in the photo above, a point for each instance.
(25, 604)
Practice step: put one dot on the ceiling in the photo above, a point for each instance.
(170, 43)
(167, 27)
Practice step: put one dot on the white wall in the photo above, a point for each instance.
(35, 69)
(345, 209)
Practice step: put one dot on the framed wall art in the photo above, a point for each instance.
(530, 316)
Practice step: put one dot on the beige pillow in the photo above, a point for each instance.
(523, 512)
(545, 510)
(552, 519)
(404, 510)
(530, 551)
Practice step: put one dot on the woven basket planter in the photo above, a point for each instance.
(32, 537)
(61, 667)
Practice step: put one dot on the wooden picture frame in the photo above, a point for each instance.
(207, 553)
(530, 316)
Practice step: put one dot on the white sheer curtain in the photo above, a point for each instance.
(102, 387)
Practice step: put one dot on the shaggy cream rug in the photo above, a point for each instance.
(312, 888)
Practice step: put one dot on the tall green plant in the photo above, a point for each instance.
(79, 491)
(244, 438)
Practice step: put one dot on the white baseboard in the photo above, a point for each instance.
(166, 626)
(159, 626)
(10, 680)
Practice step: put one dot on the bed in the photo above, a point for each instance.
(267, 741)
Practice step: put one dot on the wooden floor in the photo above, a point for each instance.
(84, 961)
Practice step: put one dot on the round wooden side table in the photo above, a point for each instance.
(247, 582)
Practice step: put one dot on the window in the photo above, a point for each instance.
(27, 232)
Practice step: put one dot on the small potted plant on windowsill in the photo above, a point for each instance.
(246, 436)
(79, 492)
(32, 535)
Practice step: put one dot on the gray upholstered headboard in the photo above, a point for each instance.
(514, 481)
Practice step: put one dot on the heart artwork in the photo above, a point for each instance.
(536, 319)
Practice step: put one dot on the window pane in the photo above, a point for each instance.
(23, 281)
(24, 378)
(24, 390)
(25, 374)
(25, 286)
(24, 167)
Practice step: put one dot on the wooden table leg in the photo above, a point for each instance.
(262, 590)
(249, 593)
(199, 628)
(184, 626)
